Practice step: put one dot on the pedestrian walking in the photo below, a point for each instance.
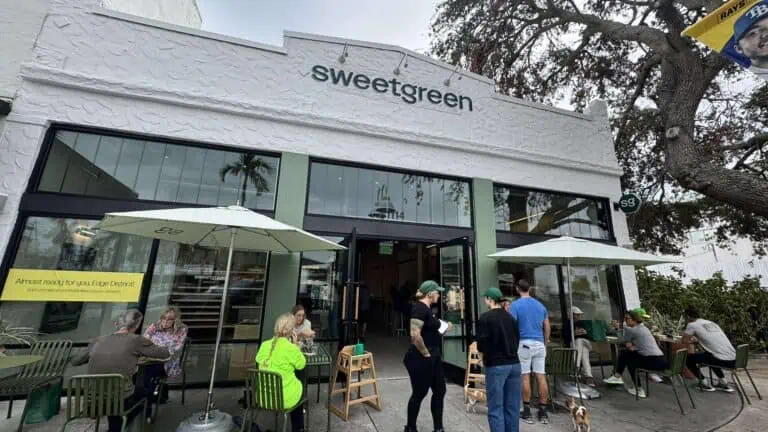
(424, 357)
(533, 321)
(497, 341)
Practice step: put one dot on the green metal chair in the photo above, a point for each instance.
(561, 362)
(675, 372)
(742, 358)
(264, 392)
(97, 396)
(48, 371)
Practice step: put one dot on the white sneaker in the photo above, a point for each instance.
(706, 386)
(640, 392)
(723, 385)
(614, 380)
(655, 378)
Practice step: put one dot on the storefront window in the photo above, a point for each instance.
(594, 289)
(337, 190)
(114, 167)
(73, 245)
(319, 291)
(545, 287)
(192, 279)
(525, 211)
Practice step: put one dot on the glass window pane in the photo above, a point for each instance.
(191, 278)
(170, 174)
(549, 213)
(114, 167)
(127, 171)
(319, 289)
(594, 294)
(73, 245)
(149, 171)
(366, 193)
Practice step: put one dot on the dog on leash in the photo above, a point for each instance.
(579, 416)
(473, 396)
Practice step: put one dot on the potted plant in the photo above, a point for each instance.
(13, 335)
(662, 325)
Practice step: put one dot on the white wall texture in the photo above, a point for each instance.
(180, 12)
(20, 22)
(90, 68)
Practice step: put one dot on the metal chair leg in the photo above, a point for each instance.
(647, 385)
(679, 403)
(753, 384)
(98, 423)
(285, 422)
(24, 411)
(635, 383)
(10, 407)
(682, 380)
(741, 386)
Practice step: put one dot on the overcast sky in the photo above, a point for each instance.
(398, 22)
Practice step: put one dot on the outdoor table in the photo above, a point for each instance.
(9, 362)
(319, 358)
(614, 343)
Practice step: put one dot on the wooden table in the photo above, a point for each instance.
(320, 358)
(14, 361)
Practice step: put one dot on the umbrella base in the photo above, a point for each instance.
(569, 388)
(217, 421)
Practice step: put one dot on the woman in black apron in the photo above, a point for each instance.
(423, 359)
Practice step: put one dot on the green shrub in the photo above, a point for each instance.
(741, 308)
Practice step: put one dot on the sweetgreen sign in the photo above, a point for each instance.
(408, 93)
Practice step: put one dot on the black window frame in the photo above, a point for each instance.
(509, 237)
(35, 203)
(388, 169)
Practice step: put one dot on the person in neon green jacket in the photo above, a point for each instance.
(281, 354)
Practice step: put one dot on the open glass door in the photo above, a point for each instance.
(349, 280)
(456, 305)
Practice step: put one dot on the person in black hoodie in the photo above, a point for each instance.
(497, 340)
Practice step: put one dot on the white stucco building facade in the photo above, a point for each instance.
(97, 72)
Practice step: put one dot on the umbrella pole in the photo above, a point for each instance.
(209, 402)
(570, 306)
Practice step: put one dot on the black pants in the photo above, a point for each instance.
(425, 374)
(695, 359)
(115, 422)
(632, 360)
(297, 419)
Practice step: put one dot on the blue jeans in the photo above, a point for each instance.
(502, 384)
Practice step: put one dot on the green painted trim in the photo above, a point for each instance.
(283, 280)
(485, 236)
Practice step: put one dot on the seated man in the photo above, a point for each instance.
(582, 344)
(718, 350)
(119, 353)
(642, 352)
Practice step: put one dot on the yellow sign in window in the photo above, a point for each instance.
(72, 286)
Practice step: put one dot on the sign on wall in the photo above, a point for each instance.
(630, 203)
(737, 30)
(72, 286)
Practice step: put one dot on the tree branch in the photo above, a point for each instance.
(755, 142)
(645, 72)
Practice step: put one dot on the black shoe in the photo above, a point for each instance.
(526, 416)
(410, 429)
(543, 417)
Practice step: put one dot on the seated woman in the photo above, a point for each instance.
(303, 328)
(281, 354)
(119, 353)
(171, 333)
(642, 352)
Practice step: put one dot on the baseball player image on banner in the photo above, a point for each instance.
(738, 30)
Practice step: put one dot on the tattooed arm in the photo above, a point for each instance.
(416, 339)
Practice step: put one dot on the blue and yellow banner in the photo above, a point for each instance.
(72, 286)
(739, 30)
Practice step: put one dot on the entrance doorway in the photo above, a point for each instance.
(389, 273)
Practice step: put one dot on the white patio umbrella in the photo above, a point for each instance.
(569, 251)
(232, 227)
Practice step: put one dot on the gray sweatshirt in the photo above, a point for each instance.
(643, 340)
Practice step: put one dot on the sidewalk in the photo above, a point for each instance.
(753, 418)
(616, 411)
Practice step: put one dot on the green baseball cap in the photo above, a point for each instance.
(430, 286)
(640, 311)
(493, 293)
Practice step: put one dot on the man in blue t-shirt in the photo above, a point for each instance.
(533, 322)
